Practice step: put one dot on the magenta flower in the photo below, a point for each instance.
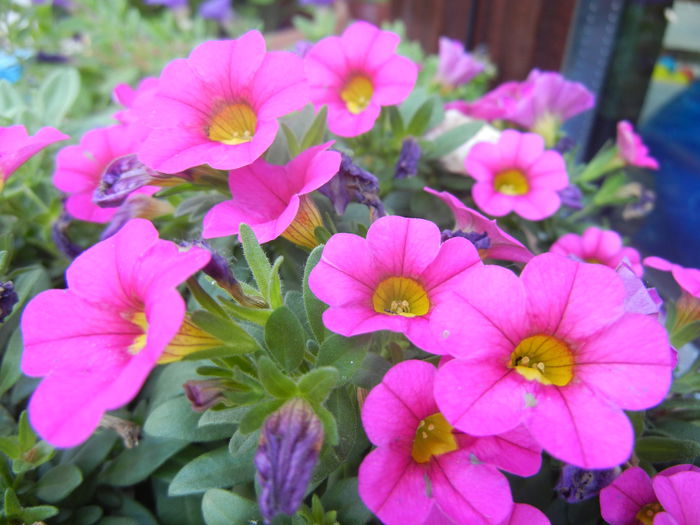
(96, 342)
(79, 168)
(355, 74)
(220, 105)
(687, 278)
(631, 148)
(669, 499)
(498, 104)
(17, 146)
(491, 241)
(420, 463)
(521, 514)
(517, 174)
(550, 101)
(553, 350)
(599, 247)
(392, 280)
(456, 66)
(274, 200)
(137, 102)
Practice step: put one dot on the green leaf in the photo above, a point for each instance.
(258, 262)
(317, 384)
(184, 510)
(275, 285)
(92, 453)
(330, 427)
(396, 121)
(421, 118)
(134, 465)
(314, 135)
(680, 429)
(56, 95)
(12, 506)
(58, 482)
(226, 330)
(222, 507)
(34, 457)
(38, 513)
(27, 437)
(343, 497)
(175, 419)
(292, 142)
(87, 515)
(10, 447)
(344, 353)
(662, 450)
(214, 469)
(10, 369)
(314, 306)
(11, 101)
(254, 418)
(451, 140)
(637, 420)
(274, 381)
(285, 338)
(203, 298)
(607, 192)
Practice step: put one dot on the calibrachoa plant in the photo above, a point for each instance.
(290, 288)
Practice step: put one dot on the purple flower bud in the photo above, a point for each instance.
(577, 484)
(407, 165)
(60, 237)
(204, 394)
(564, 145)
(121, 177)
(571, 197)
(481, 241)
(219, 10)
(8, 299)
(290, 443)
(353, 184)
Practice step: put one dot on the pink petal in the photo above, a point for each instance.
(280, 86)
(393, 487)
(394, 81)
(346, 124)
(81, 206)
(395, 407)
(491, 201)
(366, 47)
(526, 515)
(537, 204)
(356, 319)
(576, 426)
(678, 496)
(513, 451)
(455, 258)
(549, 172)
(623, 498)
(325, 63)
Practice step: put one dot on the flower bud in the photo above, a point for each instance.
(407, 165)
(8, 299)
(204, 394)
(577, 484)
(353, 184)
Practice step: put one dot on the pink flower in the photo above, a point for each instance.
(632, 149)
(497, 104)
(517, 174)
(136, 102)
(79, 168)
(456, 66)
(669, 499)
(553, 350)
(220, 105)
(550, 101)
(491, 241)
(17, 146)
(416, 449)
(599, 247)
(392, 280)
(355, 74)
(273, 200)
(96, 342)
(687, 278)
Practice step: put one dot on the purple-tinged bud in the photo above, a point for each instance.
(564, 145)
(571, 197)
(138, 205)
(577, 484)
(481, 241)
(8, 299)
(353, 184)
(219, 10)
(59, 234)
(204, 394)
(642, 207)
(407, 165)
(290, 443)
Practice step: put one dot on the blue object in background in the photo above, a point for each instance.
(10, 68)
(672, 231)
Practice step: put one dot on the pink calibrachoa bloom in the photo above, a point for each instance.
(491, 241)
(456, 66)
(421, 465)
(600, 247)
(79, 168)
(498, 104)
(220, 105)
(274, 200)
(136, 102)
(17, 146)
(687, 278)
(355, 74)
(96, 342)
(392, 280)
(522, 514)
(517, 174)
(631, 149)
(554, 350)
(669, 499)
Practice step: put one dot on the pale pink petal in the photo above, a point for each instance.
(480, 397)
(16, 146)
(659, 264)
(393, 486)
(576, 426)
(367, 47)
(548, 171)
(325, 63)
(394, 81)
(395, 407)
(629, 362)
(623, 498)
(468, 492)
(537, 204)
(491, 201)
(571, 300)
(346, 124)
(678, 496)
(514, 451)
(280, 85)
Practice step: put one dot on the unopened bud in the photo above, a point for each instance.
(8, 299)
(204, 394)
(577, 484)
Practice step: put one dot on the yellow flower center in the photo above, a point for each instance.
(302, 231)
(400, 296)
(139, 319)
(647, 512)
(592, 260)
(545, 359)
(511, 182)
(433, 437)
(233, 124)
(357, 93)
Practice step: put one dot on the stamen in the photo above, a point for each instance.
(436, 440)
(401, 296)
(545, 359)
(357, 94)
(233, 124)
(511, 182)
